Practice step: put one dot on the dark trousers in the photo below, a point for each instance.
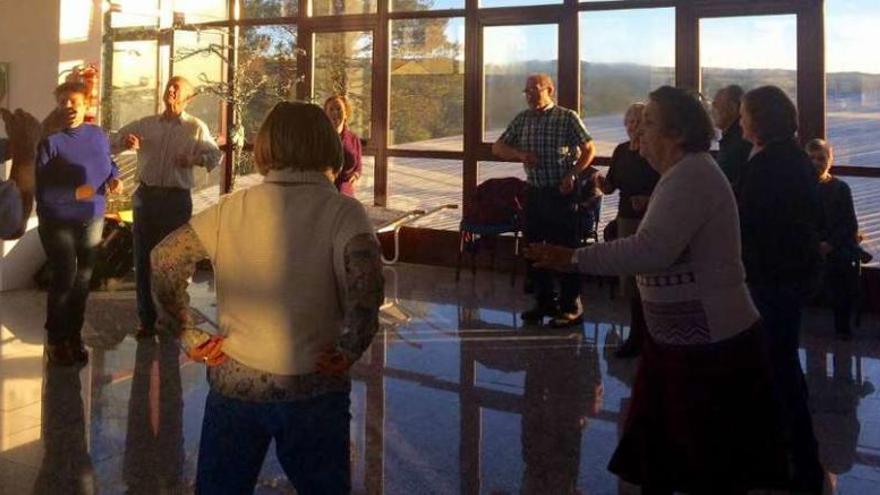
(311, 441)
(780, 307)
(71, 250)
(551, 217)
(158, 211)
(842, 270)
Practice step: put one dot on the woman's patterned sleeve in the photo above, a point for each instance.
(365, 291)
(173, 261)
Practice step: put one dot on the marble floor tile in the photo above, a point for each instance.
(455, 395)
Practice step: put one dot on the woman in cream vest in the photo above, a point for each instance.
(299, 284)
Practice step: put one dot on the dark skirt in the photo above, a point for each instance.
(703, 419)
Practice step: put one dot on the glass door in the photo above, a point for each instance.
(342, 64)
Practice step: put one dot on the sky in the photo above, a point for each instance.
(646, 36)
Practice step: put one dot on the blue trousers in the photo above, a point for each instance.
(71, 249)
(158, 211)
(311, 441)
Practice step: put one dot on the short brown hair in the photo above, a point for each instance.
(299, 136)
(817, 145)
(71, 87)
(683, 114)
(773, 115)
(346, 104)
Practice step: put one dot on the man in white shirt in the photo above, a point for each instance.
(17, 194)
(168, 145)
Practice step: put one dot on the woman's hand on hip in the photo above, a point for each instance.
(210, 353)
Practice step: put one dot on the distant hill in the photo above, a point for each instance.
(610, 88)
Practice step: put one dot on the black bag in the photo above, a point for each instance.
(115, 258)
(115, 253)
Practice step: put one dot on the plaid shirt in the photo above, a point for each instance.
(553, 135)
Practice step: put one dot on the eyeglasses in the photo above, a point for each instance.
(534, 90)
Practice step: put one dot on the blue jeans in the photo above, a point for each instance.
(71, 249)
(158, 211)
(311, 442)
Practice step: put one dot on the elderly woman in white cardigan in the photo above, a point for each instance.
(703, 418)
(299, 284)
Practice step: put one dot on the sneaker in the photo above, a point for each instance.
(565, 319)
(538, 313)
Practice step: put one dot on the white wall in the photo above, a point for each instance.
(38, 42)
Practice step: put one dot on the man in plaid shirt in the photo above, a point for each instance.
(554, 147)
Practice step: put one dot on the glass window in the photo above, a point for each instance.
(134, 81)
(749, 51)
(425, 183)
(510, 54)
(410, 5)
(134, 13)
(251, 9)
(266, 72)
(340, 7)
(498, 170)
(364, 187)
(515, 3)
(853, 81)
(195, 11)
(618, 69)
(198, 57)
(343, 64)
(427, 84)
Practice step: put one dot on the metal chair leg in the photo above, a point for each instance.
(515, 258)
(461, 237)
(474, 240)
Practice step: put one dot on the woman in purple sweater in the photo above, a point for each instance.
(74, 171)
(338, 110)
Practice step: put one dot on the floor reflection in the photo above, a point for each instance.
(154, 455)
(67, 466)
(454, 396)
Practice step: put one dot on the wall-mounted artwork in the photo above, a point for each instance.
(4, 84)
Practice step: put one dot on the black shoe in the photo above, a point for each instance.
(565, 319)
(60, 354)
(538, 313)
(628, 350)
(80, 354)
(78, 350)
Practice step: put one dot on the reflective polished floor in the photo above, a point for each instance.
(454, 396)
